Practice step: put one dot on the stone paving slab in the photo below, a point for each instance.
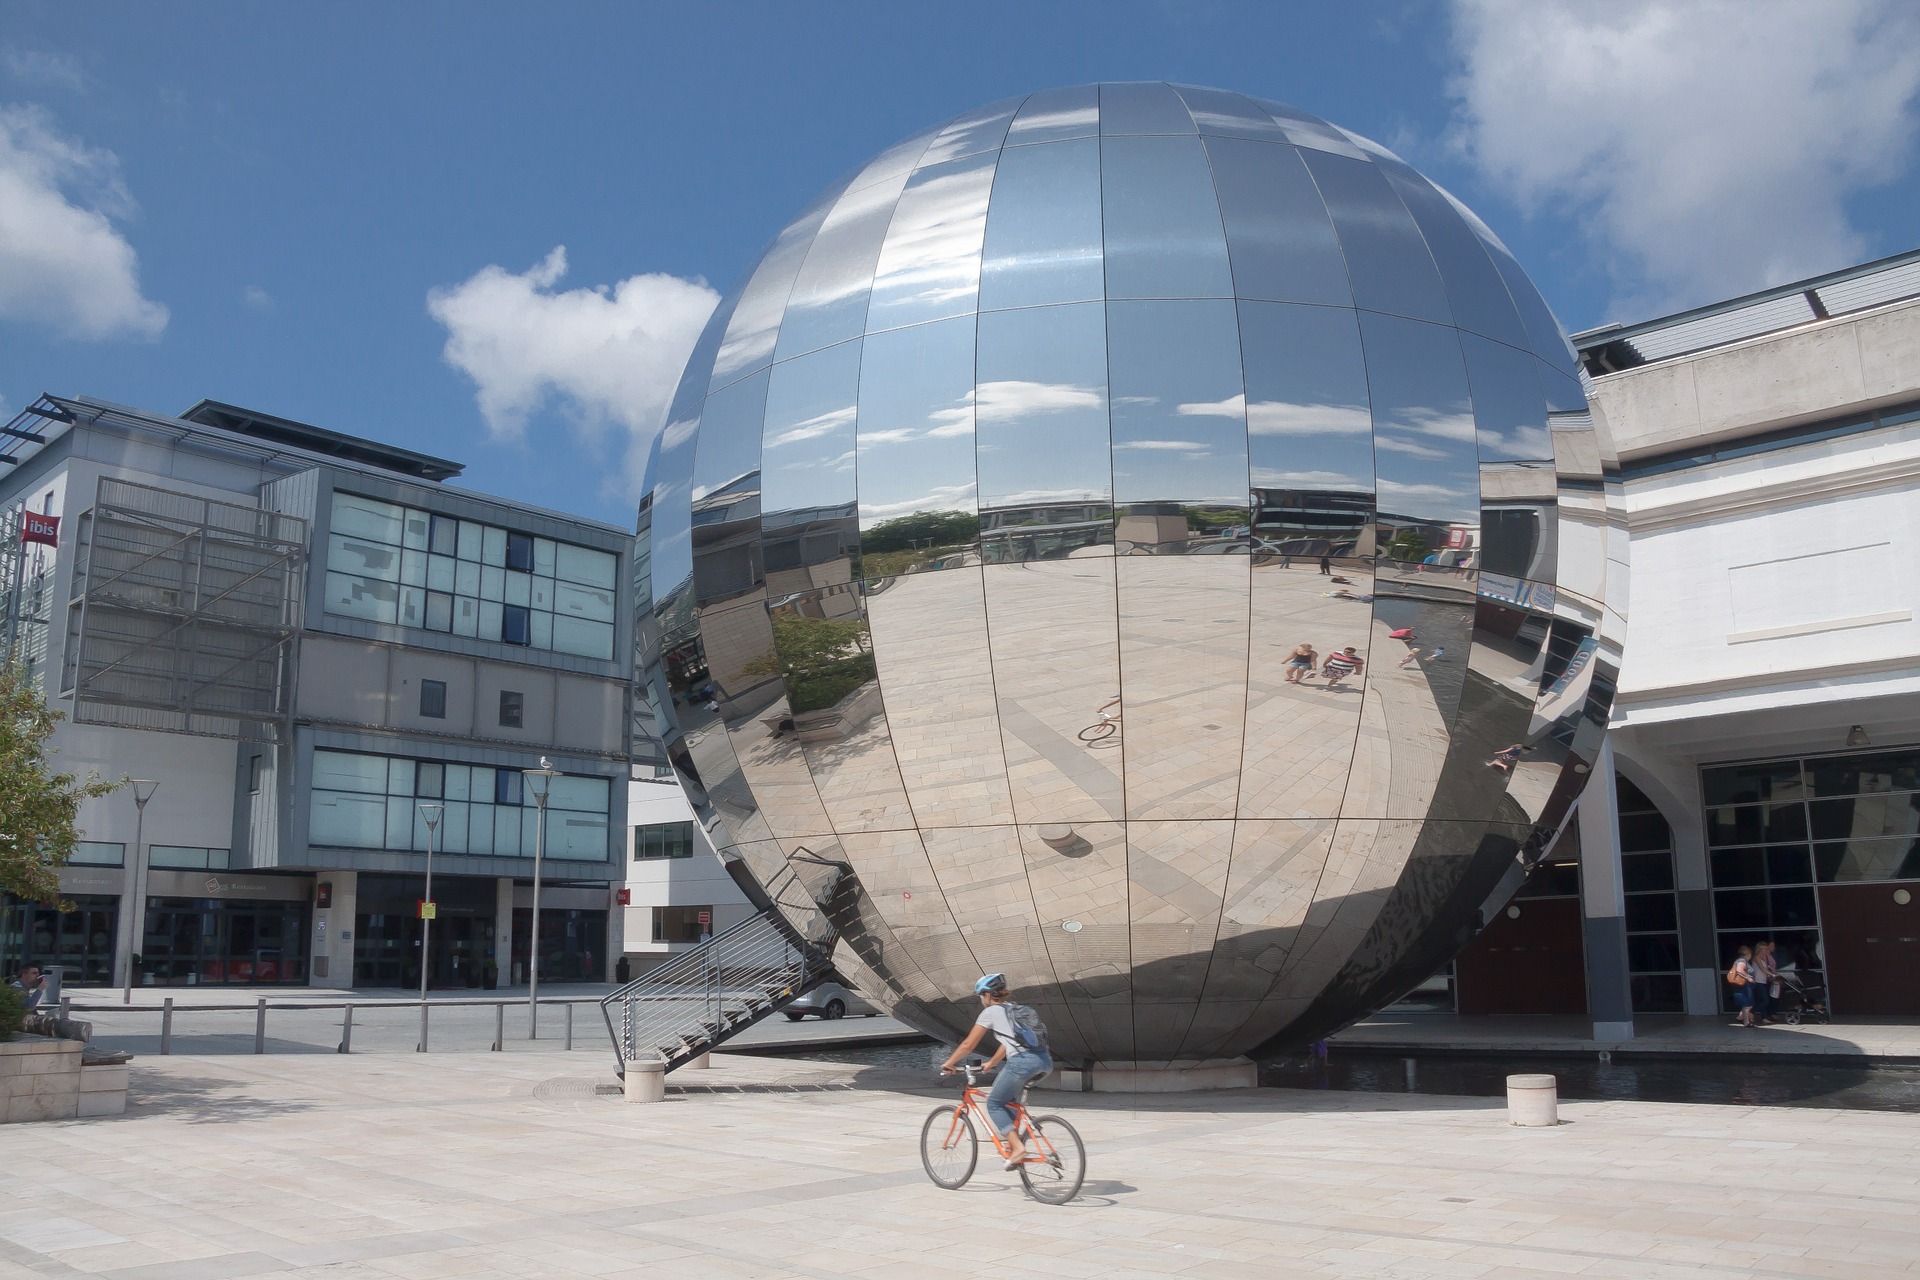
(484, 1165)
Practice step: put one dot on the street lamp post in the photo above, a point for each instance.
(430, 814)
(134, 903)
(539, 780)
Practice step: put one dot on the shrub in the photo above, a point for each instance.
(13, 1011)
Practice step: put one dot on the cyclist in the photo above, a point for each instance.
(1023, 1065)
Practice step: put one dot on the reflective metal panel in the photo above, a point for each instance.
(1179, 426)
(1053, 114)
(1142, 108)
(1476, 294)
(1425, 458)
(726, 492)
(1044, 456)
(1162, 222)
(1079, 884)
(1183, 644)
(936, 682)
(1279, 235)
(1300, 727)
(807, 470)
(755, 323)
(1043, 228)
(929, 265)
(1176, 877)
(973, 133)
(1303, 130)
(1309, 428)
(1386, 255)
(828, 303)
(1509, 413)
(1228, 115)
(915, 451)
(1053, 635)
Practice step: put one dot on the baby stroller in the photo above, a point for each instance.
(1803, 997)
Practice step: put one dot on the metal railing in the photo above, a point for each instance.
(167, 1010)
(699, 999)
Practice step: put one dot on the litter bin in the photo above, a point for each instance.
(622, 971)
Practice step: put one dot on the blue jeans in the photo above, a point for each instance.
(1015, 1072)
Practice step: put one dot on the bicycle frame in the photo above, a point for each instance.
(974, 1099)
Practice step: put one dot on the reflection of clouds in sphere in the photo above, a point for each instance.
(993, 502)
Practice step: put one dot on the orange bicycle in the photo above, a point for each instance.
(1056, 1162)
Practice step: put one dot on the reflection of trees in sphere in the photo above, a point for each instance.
(1130, 390)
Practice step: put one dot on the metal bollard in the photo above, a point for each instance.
(423, 1027)
(346, 1032)
(499, 1024)
(260, 1026)
(569, 1043)
(166, 1026)
(1533, 1101)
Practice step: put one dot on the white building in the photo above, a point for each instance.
(1766, 733)
(677, 890)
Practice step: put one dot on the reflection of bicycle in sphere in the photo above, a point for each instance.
(1108, 725)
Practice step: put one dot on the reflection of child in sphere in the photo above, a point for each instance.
(1506, 757)
(1300, 663)
(1339, 666)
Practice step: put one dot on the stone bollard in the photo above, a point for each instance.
(646, 1080)
(703, 1062)
(1533, 1102)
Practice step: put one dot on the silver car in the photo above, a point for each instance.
(829, 1000)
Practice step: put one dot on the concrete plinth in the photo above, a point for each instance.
(1154, 1077)
(646, 1080)
(1533, 1101)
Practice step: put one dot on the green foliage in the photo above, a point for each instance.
(1213, 519)
(929, 529)
(38, 807)
(13, 1011)
(822, 660)
(1408, 544)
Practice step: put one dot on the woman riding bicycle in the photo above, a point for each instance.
(1023, 1065)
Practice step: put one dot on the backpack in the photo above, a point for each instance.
(1027, 1028)
(1735, 977)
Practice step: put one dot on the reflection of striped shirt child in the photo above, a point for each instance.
(1342, 664)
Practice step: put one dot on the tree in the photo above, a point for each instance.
(38, 807)
(922, 528)
(822, 660)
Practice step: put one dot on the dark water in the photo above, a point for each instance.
(1856, 1086)
(1697, 1079)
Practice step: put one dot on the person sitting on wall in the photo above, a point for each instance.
(31, 984)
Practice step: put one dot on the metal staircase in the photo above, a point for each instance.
(701, 998)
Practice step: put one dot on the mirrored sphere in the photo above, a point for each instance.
(1144, 540)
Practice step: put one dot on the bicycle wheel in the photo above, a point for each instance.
(949, 1148)
(1058, 1179)
(1097, 732)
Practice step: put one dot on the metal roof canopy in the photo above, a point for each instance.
(334, 444)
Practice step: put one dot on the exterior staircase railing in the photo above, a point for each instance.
(701, 998)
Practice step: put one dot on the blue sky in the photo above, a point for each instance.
(258, 202)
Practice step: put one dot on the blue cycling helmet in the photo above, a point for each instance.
(995, 982)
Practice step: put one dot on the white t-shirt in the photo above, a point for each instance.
(994, 1018)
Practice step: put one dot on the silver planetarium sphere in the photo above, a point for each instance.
(993, 511)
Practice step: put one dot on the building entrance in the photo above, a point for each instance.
(387, 932)
(81, 939)
(195, 941)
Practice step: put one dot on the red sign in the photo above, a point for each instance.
(706, 917)
(41, 529)
(623, 897)
(323, 894)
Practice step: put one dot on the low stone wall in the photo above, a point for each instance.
(42, 1078)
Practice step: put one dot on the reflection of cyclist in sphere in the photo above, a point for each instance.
(1023, 1064)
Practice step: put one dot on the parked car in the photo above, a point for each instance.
(829, 1000)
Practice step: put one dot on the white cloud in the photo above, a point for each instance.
(605, 354)
(1011, 400)
(1710, 146)
(941, 498)
(63, 265)
(1279, 418)
(256, 298)
(1234, 406)
(43, 68)
(1267, 479)
(1392, 445)
(820, 424)
(1183, 445)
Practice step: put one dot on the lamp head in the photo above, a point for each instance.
(143, 790)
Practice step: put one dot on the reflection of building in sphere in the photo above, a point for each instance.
(993, 502)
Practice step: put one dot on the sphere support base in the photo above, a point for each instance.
(1154, 1077)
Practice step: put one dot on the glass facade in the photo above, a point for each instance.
(1778, 829)
(663, 840)
(373, 802)
(1002, 567)
(82, 939)
(401, 565)
(1653, 913)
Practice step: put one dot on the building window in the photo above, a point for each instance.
(513, 706)
(433, 699)
(400, 565)
(253, 774)
(681, 924)
(98, 853)
(372, 802)
(185, 858)
(1778, 828)
(1653, 911)
(663, 840)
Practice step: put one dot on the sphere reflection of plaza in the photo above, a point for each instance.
(994, 504)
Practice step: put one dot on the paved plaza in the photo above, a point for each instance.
(521, 1165)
